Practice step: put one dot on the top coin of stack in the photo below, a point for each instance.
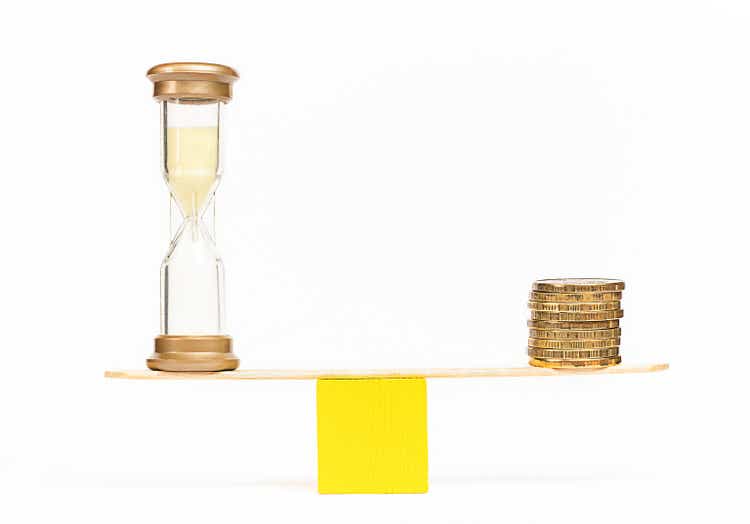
(575, 322)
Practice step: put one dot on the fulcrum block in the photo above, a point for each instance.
(372, 435)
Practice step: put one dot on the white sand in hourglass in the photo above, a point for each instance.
(192, 163)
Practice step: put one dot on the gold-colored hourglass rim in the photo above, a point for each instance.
(192, 81)
(193, 353)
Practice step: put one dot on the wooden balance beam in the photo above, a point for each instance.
(372, 423)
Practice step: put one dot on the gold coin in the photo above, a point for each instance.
(573, 344)
(573, 354)
(573, 364)
(578, 285)
(574, 306)
(562, 334)
(578, 325)
(565, 316)
(607, 296)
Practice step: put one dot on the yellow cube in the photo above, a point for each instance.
(372, 435)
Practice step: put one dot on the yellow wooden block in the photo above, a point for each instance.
(372, 435)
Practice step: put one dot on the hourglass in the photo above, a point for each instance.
(191, 97)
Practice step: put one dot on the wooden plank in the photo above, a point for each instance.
(313, 374)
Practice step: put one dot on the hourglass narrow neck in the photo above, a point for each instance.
(191, 152)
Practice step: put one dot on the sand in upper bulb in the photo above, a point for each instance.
(192, 163)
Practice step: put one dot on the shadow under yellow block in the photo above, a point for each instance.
(372, 435)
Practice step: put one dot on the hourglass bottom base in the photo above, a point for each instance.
(193, 353)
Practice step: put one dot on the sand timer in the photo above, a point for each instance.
(191, 98)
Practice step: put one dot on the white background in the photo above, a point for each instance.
(398, 173)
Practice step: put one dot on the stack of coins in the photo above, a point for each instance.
(575, 322)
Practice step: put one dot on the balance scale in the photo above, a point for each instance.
(372, 424)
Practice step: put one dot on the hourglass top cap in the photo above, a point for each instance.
(192, 81)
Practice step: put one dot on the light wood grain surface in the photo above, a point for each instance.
(312, 374)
